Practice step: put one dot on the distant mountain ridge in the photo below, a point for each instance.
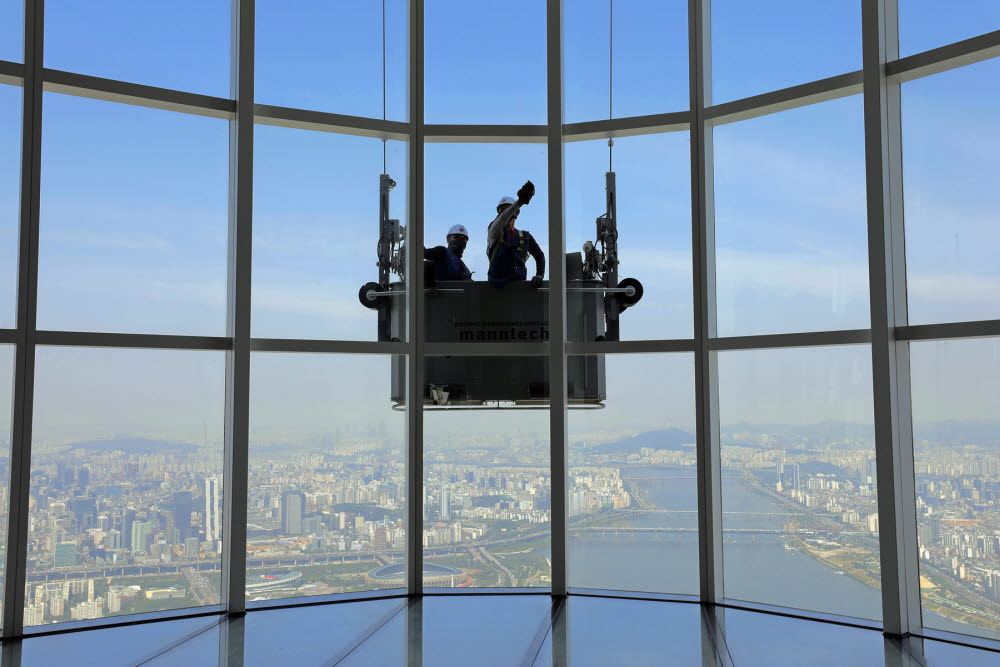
(132, 444)
(674, 439)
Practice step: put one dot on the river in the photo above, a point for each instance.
(757, 568)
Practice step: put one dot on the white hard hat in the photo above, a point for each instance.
(459, 229)
(507, 200)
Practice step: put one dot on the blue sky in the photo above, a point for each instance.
(134, 217)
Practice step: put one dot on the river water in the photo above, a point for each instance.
(757, 568)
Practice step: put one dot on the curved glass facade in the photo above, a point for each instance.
(755, 368)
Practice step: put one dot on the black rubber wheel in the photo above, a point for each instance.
(380, 300)
(624, 300)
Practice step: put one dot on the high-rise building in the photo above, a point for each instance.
(293, 509)
(213, 508)
(445, 505)
(182, 513)
(142, 534)
(65, 554)
(796, 482)
(191, 547)
(127, 520)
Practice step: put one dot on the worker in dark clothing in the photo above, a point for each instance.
(508, 248)
(448, 264)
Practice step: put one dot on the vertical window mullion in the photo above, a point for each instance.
(27, 306)
(238, 310)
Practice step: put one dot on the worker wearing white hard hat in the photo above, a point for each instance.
(508, 248)
(448, 264)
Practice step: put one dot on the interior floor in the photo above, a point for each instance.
(490, 630)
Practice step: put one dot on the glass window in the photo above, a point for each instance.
(633, 491)
(10, 197)
(182, 45)
(307, 58)
(950, 164)
(484, 64)
(956, 388)
(799, 488)
(7, 353)
(327, 475)
(927, 24)
(487, 478)
(126, 483)
(134, 219)
(453, 197)
(653, 195)
(316, 232)
(12, 30)
(791, 221)
(772, 44)
(650, 58)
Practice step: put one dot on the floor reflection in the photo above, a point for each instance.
(491, 630)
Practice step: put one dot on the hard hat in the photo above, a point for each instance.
(460, 230)
(507, 200)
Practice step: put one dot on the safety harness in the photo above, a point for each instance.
(520, 248)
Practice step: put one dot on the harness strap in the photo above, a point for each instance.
(520, 248)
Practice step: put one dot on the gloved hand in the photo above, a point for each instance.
(526, 192)
(536, 281)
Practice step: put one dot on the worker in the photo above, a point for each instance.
(448, 264)
(508, 248)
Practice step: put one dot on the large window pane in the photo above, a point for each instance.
(6, 409)
(799, 495)
(791, 221)
(653, 186)
(650, 58)
(484, 64)
(633, 491)
(950, 164)
(11, 30)
(771, 44)
(126, 482)
(182, 45)
(453, 197)
(10, 195)
(133, 219)
(927, 24)
(327, 475)
(956, 448)
(487, 478)
(316, 232)
(328, 56)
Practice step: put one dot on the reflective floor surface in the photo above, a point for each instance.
(490, 630)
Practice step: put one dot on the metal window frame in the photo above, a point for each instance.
(889, 336)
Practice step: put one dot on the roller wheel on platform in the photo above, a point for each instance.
(371, 297)
(623, 299)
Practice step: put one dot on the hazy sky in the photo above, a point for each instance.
(134, 203)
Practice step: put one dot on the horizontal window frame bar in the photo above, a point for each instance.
(465, 592)
(486, 349)
(131, 341)
(949, 330)
(323, 121)
(785, 99)
(317, 346)
(12, 73)
(639, 596)
(320, 600)
(8, 336)
(960, 639)
(486, 134)
(631, 126)
(801, 614)
(125, 620)
(805, 339)
(631, 347)
(136, 94)
(944, 58)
